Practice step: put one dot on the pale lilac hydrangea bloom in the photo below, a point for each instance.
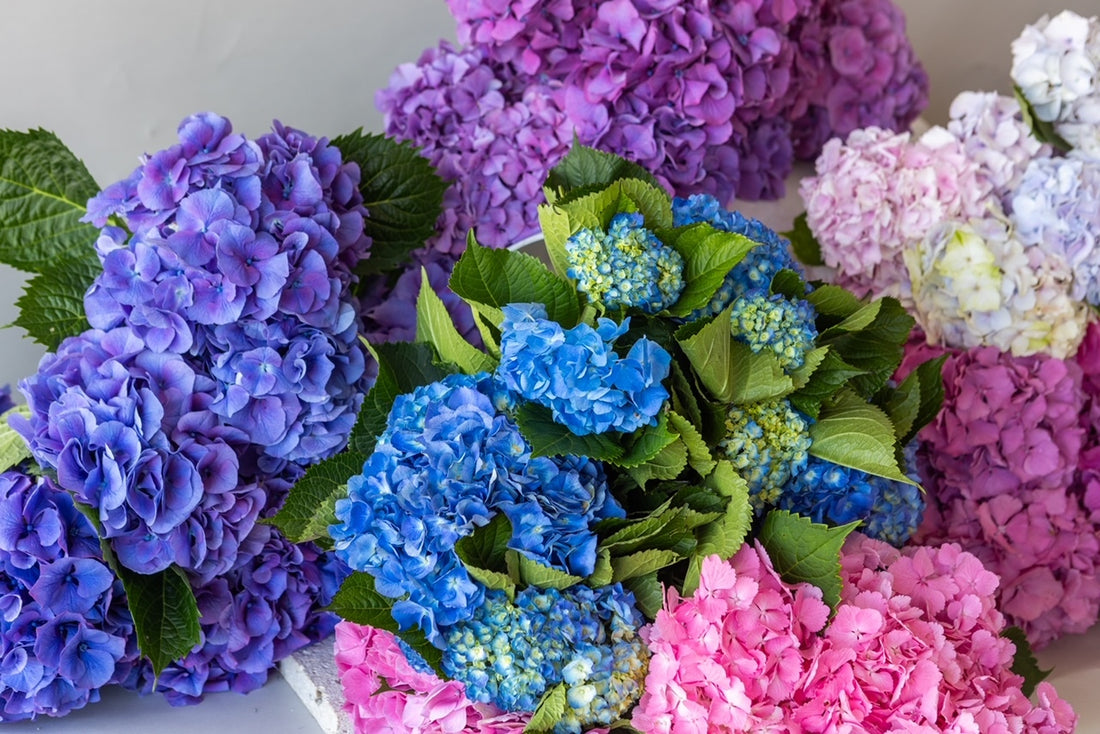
(1056, 65)
(1056, 207)
(975, 284)
(993, 132)
(878, 192)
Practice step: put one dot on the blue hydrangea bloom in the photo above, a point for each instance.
(768, 443)
(449, 461)
(775, 324)
(577, 374)
(835, 495)
(510, 653)
(65, 631)
(753, 275)
(625, 267)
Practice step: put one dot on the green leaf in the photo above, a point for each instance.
(642, 563)
(1043, 130)
(832, 374)
(548, 438)
(402, 367)
(44, 190)
(13, 449)
(311, 505)
(709, 348)
(585, 167)
(52, 305)
(1024, 662)
(756, 376)
(834, 301)
(725, 536)
(483, 553)
(812, 360)
(804, 551)
(646, 443)
(875, 346)
(498, 277)
(402, 192)
(601, 572)
(709, 255)
(434, 326)
(930, 377)
(166, 615)
(789, 284)
(357, 601)
(556, 230)
(561, 221)
(669, 462)
(699, 457)
(533, 573)
(549, 712)
(856, 321)
(901, 404)
(805, 246)
(853, 433)
(648, 592)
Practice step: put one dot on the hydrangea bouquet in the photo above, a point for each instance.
(989, 231)
(203, 317)
(635, 508)
(713, 97)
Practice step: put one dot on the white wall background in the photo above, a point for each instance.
(114, 77)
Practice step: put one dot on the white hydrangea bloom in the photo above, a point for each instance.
(991, 128)
(1051, 63)
(975, 284)
(1080, 126)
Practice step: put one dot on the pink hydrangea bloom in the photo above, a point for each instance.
(1002, 461)
(384, 693)
(877, 193)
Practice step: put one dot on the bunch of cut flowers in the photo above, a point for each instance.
(667, 495)
(203, 318)
(714, 98)
(989, 232)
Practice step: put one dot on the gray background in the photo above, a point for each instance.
(114, 77)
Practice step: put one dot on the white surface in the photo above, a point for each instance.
(312, 674)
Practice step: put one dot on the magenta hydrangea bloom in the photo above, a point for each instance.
(1002, 461)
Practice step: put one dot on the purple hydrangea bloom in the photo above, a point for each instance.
(65, 631)
(576, 373)
(447, 463)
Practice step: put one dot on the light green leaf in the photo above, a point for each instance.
(548, 438)
(311, 505)
(402, 192)
(556, 231)
(669, 462)
(533, 573)
(756, 376)
(642, 563)
(52, 305)
(651, 200)
(699, 457)
(487, 320)
(44, 190)
(497, 278)
(549, 712)
(709, 348)
(709, 255)
(589, 169)
(832, 374)
(648, 592)
(853, 433)
(813, 359)
(482, 553)
(832, 300)
(646, 443)
(857, 321)
(601, 572)
(13, 449)
(434, 326)
(805, 246)
(803, 551)
(725, 536)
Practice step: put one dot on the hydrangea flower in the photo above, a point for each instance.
(1056, 207)
(767, 442)
(576, 373)
(251, 618)
(828, 493)
(625, 267)
(1001, 459)
(753, 275)
(65, 631)
(992, 130)
(448, 461)
(510, 653)
(1056, 65)
(975, 284)
(777, 325)
(384, 688)
(878, 193)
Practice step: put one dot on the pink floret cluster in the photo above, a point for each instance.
(915, 646)
(384, 693)
(1011, 476)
